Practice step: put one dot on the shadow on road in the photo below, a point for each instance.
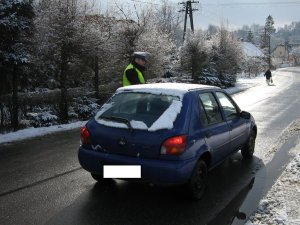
(121, 202)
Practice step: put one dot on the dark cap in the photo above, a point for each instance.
(141, 55)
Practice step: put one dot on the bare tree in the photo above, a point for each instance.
(160, 45)
(144, 34)
(168, 20)
(296, 54)
(129, 27)
(96, 45)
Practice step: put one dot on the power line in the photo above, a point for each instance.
(144, 2)
(209, 8)
(230, 4)
(238, 4)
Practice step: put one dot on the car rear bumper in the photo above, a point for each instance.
(161, 172)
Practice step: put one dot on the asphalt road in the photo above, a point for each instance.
(41, 181)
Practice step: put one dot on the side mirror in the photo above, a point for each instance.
(245, 115)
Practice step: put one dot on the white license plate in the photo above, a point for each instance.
(122, 171)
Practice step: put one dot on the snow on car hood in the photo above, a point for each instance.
(165, 121)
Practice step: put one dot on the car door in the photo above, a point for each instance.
(238, 125)
(213, 125)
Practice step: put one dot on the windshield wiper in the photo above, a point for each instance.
(118, 119)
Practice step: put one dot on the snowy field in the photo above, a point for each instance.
(281, 204)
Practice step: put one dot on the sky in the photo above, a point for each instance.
(234, 13)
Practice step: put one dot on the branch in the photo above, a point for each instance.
(122, 11)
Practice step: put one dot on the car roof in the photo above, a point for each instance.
(177, 89)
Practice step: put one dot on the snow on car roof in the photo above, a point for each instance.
(175, 89)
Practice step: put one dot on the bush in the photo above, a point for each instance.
(42, 119)
(210, 80)
(85, 107)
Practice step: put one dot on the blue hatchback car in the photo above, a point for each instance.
(174, 132)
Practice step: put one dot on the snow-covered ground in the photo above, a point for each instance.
(281, 204)
(36, 132)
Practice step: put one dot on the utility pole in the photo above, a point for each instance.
(266, 44)
(187, 8)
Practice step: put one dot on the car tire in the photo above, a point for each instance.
(198, 181)
(248, 150)
(101, 180)
(97, 177)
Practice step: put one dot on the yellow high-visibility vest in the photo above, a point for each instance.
(126, 82)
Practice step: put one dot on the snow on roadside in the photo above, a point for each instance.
(246, 83)
(281, 204)
(36, 132)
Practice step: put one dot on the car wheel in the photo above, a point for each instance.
(97, 177)
(100, 179)
(248, 150)
(198, 180)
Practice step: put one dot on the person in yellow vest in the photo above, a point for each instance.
(134, 72)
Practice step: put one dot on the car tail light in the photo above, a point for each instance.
(85, 136)
(174, 145)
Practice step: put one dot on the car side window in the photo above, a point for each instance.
(203, 116)
(211, 108)
(227, 105)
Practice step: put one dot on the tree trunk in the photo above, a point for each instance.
(63, 105)
(15, 102)
(269, 46)
(2, 115)
(194, 71)
(96, 68)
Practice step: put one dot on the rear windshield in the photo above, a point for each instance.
(142, 110)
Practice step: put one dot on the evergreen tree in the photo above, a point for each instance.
(226, 54)
(250, 37)
(60, 35)
(269, 25)
(16, 27)
(269, 29)
(194, 54)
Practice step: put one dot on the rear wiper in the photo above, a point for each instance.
(118, 119)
